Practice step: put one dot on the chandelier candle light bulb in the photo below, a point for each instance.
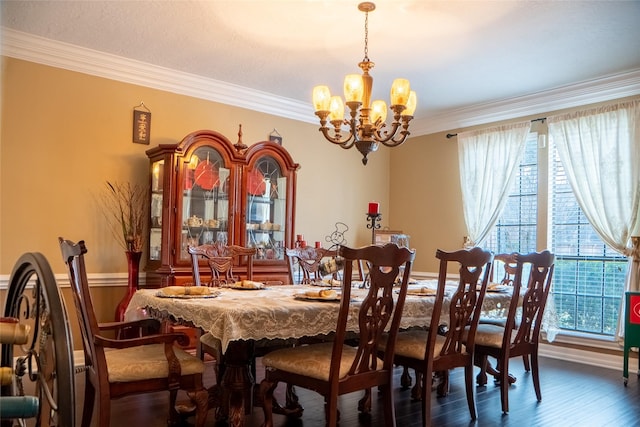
(366, 124)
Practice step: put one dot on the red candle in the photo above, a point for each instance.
(318, 245)
(299, 238)
(374, 208)
(303, 244)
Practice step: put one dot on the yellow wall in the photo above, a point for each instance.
(65, 133)
(425, 199)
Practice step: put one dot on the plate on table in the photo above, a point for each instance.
(247, 285)
(212, 295)
(421, 292)
(318, 296)
(496, 287)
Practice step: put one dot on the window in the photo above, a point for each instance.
(516, 230)
(589, 276)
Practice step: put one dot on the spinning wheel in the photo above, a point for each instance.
(41, 386)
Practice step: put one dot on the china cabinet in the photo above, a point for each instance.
(206, 189)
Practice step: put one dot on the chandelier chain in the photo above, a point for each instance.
(366, 37)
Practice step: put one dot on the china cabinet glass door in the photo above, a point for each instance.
(266, 192)
(204, 217)
(155, 235)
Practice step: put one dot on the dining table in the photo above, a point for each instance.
(241, 317)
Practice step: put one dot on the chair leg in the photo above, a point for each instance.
(525, 362)
(405, 378)
(468, 379)
(292, 401)
(201, 399)
(536, 375)
(426, 387)
(266, 396)
(173, 413)
(504, 384)
(331, 413)
(481, 361)
(416, 391)
(364, 404)
(389, 407)
(89, 403)
(442, 382)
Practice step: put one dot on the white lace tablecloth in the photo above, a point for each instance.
(274, 313)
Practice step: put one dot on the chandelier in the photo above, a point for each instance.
(367, 126)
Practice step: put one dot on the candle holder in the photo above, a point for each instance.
(373, 218)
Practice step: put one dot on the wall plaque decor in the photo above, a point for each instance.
(274, 136)
(141, 124)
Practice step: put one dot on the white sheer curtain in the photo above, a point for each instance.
(600, 152)
(488, 161)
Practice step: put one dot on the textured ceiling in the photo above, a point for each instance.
(456, 54)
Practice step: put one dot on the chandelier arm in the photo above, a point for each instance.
(384, 137)
(398, 139)
(337, 138)
(404, 133)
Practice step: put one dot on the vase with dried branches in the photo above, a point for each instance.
(125, 206)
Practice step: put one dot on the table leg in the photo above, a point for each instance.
(237, 382)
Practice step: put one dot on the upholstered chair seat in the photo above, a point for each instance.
(145, 362)
(316, 357)
(490, 335)
(414, 343)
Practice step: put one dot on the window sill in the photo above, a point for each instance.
(586, 340)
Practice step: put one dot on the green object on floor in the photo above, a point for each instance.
(631, 330)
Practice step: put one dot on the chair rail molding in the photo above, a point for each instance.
(97, 280)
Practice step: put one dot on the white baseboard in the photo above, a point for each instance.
(589, 357)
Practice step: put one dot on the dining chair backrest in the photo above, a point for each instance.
(474, 268)
(509, 265)
(73, 255)
(309, 260)
(377, 313)
(221, 260)
(533, 294)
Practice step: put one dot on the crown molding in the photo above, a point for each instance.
(28, 47)
(603, 89)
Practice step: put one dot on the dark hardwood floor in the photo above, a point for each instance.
(572, 395)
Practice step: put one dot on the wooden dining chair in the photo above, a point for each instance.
(221, 260)
(309, 260)
(116, 368)
(506, 265)
(520, 334)
(440, 349)
(334, 368)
